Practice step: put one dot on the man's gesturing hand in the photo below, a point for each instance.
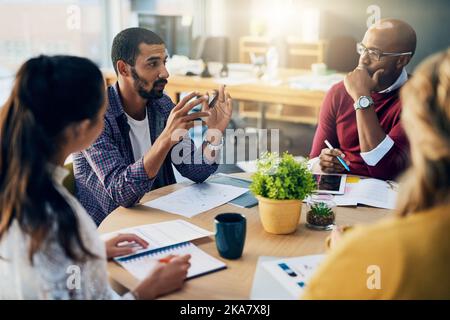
(180, 121)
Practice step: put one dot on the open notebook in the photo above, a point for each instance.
(141, 264)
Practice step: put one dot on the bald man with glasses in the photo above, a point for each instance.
(360, 116)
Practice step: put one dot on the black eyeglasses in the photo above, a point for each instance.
(375, 54)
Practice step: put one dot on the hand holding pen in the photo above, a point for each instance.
(331, 160)
(167, 276)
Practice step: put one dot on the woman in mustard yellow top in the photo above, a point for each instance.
(408, 256)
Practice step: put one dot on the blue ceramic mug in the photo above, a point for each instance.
(230, 234)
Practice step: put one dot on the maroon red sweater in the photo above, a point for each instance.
(337, 123)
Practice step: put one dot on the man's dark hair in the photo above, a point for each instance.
(126, 44)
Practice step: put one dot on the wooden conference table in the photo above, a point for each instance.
(235, 282)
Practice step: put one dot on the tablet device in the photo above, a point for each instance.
(330, 183)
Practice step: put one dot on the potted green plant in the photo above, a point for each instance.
(280, 184)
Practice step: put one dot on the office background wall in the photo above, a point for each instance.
(338, 18)
(429, 18)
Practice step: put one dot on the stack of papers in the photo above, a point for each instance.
(371, 192)
(196, 198)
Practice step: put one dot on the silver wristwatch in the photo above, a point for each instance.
(363, 102)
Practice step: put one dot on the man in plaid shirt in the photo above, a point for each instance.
(144, 132)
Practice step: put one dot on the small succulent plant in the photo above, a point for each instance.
(321, 209)
(320, 216)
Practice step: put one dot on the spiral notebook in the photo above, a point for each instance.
(141, 264)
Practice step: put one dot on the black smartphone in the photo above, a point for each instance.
(210, 105)
(214, 100)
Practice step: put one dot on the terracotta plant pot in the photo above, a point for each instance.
(279, 216)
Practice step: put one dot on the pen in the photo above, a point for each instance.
(166, 259)
(392, 185)
(339, 158)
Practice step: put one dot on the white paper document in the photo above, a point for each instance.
(289, 276)
(371, 192)
(196, 198)
(164, 234)
(266, 287)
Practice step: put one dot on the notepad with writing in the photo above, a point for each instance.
(141, 264)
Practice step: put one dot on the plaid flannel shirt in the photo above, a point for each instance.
(107, 175)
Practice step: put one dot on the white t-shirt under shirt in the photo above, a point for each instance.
(141, 141)
(139, 136)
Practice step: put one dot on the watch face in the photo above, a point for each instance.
(364, 102)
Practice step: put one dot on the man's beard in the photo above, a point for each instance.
(140, 84)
